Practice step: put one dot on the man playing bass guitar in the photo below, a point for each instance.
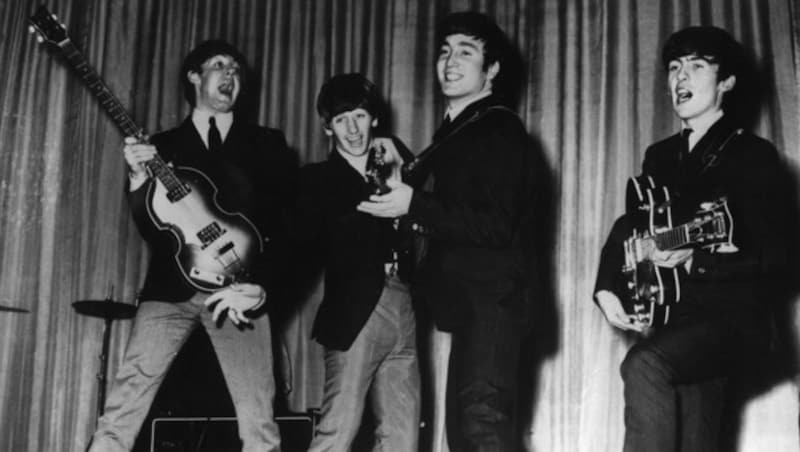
(245, 175)
(719, 321)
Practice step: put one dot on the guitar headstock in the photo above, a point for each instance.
(712, 223)
(48, 28)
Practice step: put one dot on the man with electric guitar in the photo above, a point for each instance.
(207, 197)
(691, 264)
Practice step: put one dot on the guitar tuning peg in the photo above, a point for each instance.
(39, 39)
(31, 30)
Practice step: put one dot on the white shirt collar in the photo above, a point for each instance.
(358, 163)
(200, 120)
(700, 127)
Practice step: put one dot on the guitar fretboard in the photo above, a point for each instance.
(98, 87)
(175, 188)
(672, 238)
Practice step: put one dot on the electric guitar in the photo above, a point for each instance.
(650, 290)
(213, 247)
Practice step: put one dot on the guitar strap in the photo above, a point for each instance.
(429, 151)
(421, 241)
(712, 158)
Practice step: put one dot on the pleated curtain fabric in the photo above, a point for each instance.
(593, 97)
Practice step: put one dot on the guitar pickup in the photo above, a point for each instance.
(208, 234)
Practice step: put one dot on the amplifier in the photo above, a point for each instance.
(220, 434)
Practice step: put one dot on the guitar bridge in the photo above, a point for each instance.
(228, 258)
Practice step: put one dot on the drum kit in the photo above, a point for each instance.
(11, 309)
(108, 310)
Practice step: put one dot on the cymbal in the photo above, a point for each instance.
(12, 309)
(107, 309)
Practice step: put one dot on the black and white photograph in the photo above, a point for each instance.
(400, 225)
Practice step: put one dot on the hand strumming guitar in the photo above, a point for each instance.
(612, 309)
(237, 299)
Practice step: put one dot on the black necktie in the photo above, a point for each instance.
(214, 138)
(684, 151)
(444, 128)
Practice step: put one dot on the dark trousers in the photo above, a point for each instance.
(482, 382)
(674, 385)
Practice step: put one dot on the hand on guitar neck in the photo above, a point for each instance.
(666, 258)
(137, 154)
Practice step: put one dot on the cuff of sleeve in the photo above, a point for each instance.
(416, 208)
(261, 301)
(414, 219)
(702, 263)
(136, 181)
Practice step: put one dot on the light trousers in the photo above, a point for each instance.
(382, 363)
(159, 331)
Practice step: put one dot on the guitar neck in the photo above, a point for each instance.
(97, 86)
(118, 113)
(672, 238)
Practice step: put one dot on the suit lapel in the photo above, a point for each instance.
(188, 141)
(445, 133)
(348, 179)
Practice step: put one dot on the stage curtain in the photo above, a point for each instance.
(593, 97)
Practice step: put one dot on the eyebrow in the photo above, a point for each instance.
(689, 59)
(693, 57)
(462, 43)
(222, 57)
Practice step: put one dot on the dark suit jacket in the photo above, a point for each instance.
(255, 175)
(748, 172)
(352, 246)
(478, 218)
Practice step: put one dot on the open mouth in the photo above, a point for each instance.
(226, 88)
(451, 76)
(682, 95)
(355, 142)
